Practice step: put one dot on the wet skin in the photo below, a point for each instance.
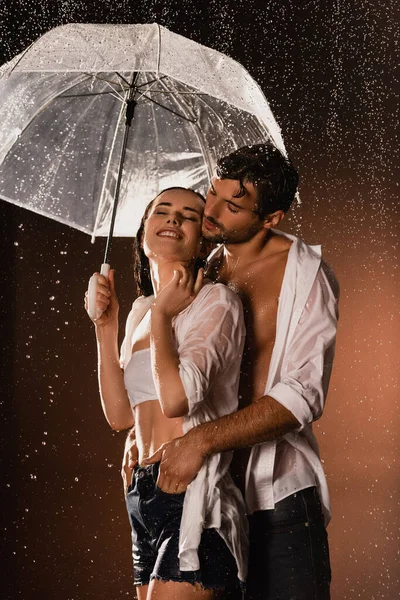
(255, 272)
(178, 212)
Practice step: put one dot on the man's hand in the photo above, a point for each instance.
(129, 460)
(180, 461)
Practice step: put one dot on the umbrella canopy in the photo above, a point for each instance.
(62, 121)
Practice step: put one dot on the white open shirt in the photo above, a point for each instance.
(298, 378)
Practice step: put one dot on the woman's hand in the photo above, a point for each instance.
(106, 300)
(179, 293)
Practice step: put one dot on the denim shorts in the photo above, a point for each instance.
(155, 518)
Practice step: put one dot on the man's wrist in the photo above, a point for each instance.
(201, 439)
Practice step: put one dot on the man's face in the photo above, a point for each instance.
(229, 219)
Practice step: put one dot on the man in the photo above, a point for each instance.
(290, 304)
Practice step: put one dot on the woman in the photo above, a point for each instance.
(181, 358)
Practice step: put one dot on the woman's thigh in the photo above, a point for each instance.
(172, 590)
(141, 592)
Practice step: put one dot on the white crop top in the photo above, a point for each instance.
(138, 378)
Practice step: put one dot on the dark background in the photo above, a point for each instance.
(326, 68)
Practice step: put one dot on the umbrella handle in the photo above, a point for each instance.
(94, 312)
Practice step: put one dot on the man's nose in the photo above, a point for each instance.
(211, 210)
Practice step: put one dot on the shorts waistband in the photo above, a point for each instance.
(146, 471)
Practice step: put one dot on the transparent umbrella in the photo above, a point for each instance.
(92, 116)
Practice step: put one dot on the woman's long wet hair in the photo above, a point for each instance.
(141, 264)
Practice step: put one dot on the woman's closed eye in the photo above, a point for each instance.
(181, 216)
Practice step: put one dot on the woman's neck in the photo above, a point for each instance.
(163, 271)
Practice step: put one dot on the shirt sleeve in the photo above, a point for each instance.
(213, 340)
(307, 364)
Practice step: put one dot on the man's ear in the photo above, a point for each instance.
(273, 219)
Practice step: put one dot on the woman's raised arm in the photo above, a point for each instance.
(113, 395)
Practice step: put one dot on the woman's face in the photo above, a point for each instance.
(172, 230)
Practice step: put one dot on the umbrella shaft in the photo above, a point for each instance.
(130, 109)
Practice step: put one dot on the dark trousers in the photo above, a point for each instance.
(289, 555)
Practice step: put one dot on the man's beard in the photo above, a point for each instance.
(236, 236)
(214, 238)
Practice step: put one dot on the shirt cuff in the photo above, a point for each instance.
(293, 401)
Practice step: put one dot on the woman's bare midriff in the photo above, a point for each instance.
(153, 428)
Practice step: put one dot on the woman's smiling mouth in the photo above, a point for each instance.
(172, 233)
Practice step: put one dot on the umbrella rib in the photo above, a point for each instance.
(109, 83)
(168, 109)
(198, 134)
(45, 106)
(113, 89)
(20, 58)
(178, 93)
(102, 194)
(113, 94)
(151, 81)
(89, 94)
(123, 79)
(219, 119)
(101, 78)
(147, 90)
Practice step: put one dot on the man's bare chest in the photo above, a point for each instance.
(259, 288)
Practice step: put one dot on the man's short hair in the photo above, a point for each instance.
(272, 174)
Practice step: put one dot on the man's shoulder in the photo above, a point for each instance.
(307, 265)
(278, 247)
(288, 239)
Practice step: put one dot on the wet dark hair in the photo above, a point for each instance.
(141, 264)
(271, 173)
